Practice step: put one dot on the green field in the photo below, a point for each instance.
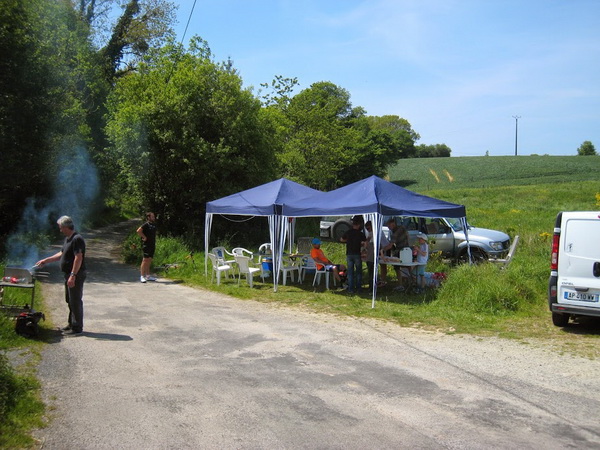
(515, 194)
(421, 175)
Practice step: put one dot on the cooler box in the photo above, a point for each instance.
(267, 264)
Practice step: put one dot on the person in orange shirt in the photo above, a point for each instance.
(322, 261)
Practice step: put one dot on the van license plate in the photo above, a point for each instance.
(580, 296)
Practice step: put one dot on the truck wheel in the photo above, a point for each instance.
(477, 255)
(560, 320)
(339, 228)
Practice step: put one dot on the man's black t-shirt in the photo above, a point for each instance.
(353, 238)
(71, 247)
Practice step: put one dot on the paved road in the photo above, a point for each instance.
(165, 366)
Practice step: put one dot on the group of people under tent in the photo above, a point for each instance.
(359, 242)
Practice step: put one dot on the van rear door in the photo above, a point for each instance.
(578, 281)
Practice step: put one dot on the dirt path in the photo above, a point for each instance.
(162, 365)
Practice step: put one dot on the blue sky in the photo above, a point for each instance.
(457, 70)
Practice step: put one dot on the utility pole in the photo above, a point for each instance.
(516, 131)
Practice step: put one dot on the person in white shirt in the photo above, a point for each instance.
(422, 248)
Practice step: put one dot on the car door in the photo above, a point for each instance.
(440, 235)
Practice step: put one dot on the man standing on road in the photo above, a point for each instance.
(72, 264)
(147, 233)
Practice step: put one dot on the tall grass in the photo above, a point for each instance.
(486, 295)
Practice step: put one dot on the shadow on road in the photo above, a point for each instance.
(106, 336)
(55, 336)
(583, 325)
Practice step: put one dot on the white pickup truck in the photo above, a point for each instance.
(445, 235)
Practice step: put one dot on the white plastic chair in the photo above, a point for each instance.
(218, 267)
(288, 267)
(319, 272)
(244, 267)
(240, 251)
(304, 245)
(225, 256)
(264, 249)
(307, 265)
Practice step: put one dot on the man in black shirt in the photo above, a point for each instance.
(72, 264)
(355, 239)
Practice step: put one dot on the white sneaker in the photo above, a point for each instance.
(142, 279)
(150, 278)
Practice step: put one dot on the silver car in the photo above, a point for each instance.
(445, 235)
(448, 237)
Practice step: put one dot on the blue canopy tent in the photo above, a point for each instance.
(373, 197)
(266, 200)
(283, 199)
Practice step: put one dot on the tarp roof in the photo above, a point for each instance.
(264, 200)
(371, 195)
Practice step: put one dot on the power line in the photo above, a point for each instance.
(181, 43)
(188, 22)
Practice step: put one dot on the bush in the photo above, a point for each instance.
(170, 250)
(131, 252)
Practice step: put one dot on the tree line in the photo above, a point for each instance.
(164, 126)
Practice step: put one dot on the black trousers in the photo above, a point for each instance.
(74, 298)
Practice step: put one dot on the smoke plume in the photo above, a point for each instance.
(76, 187)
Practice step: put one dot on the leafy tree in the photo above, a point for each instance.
(44, 70)
(586, 149)
(21, 82)
(183, 131)
(142, 25)
(433, 151)
(400, 134)
(382, 142)
(328, 143)
(318, 142)
(278, 92)
(118, 42)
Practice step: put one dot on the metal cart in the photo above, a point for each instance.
(18, 278)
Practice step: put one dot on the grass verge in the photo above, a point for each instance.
(21, 407)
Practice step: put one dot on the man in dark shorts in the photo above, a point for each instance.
(72, 264)
(147, 233)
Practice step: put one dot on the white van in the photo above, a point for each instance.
(574, 285)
